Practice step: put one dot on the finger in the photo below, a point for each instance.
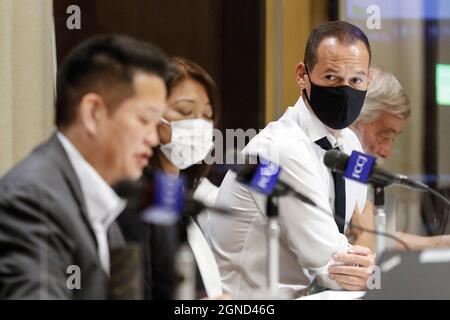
(368, 207)
(359, 282)
(348, 270)
(353, 259)
(360, 250)
(357, 210)
(350, 287)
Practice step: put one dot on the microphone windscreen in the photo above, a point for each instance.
(236, 161)
(335, 160)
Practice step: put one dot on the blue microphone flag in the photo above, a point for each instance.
(359, 167)
(266, 177)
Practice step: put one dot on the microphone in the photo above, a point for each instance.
(362, 167)
(162, 200)
(263, 176)
(193, 207)
(167, 200)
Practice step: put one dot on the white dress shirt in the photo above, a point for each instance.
(308, 236)
(103, 205)
(206, 192)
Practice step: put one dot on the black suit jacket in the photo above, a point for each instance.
(44, 229)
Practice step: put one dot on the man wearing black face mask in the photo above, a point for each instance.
(333, 81)
(336, 106)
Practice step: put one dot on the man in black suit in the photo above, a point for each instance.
(57, 207)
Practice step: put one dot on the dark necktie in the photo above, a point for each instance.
(339, 189)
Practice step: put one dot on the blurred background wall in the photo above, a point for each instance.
(26, 77)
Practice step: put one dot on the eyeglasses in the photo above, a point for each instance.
(385, 137)
(162, 120)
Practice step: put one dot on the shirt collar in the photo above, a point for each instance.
(313, 127)
(103, 204)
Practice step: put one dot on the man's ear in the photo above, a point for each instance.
(370, 77)
(92, 110)
(300, 75)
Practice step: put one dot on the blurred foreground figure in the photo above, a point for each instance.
(57, 207)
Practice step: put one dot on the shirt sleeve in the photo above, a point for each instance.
(311, 234)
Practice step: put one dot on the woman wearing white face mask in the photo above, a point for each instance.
(186, 129)
(186, 139)
(186, 132)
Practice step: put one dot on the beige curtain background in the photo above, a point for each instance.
(27, 69)
(288, 24)
(404, 57)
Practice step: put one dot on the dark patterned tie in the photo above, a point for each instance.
(339, 189)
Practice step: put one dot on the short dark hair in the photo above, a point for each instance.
(182, 69)
(343, 31)
(105, 65)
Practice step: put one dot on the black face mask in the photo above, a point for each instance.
(336, 107)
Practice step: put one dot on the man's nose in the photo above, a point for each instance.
(385, 151)
(152, 138)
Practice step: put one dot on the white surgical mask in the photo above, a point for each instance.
(192, 140)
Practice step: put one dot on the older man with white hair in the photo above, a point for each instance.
(384, 114)
(382, 118)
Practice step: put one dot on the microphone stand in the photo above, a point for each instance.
(380, 218)
(272, 237)
(185, 267)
